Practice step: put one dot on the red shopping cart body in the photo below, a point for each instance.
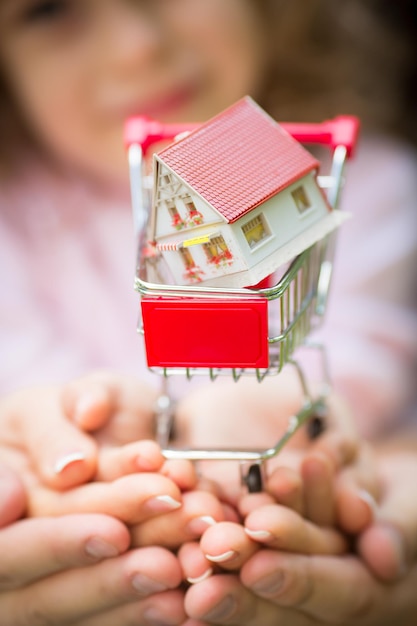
(203, 333)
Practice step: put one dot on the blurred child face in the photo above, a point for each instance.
(78, 68)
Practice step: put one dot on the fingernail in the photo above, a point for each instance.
(198, 525)
(154, 616)
(258, 534)
(224, 610)
(162, 504)
(85, 403)
(221, 558)
(199, 579)
(67, 460)
(366, 497)
(400, 549)
(146, 586)
(269, 585)
(98, 548)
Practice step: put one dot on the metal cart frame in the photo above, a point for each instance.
(296, 301)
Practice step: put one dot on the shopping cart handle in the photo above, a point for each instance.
(146, 132)
(342, 130)
(339, 131)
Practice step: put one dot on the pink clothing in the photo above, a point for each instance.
(370, 328)
(67, 267)
(68, 305)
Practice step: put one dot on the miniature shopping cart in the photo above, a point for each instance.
(200, 329)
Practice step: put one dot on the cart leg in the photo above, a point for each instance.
(164, 417)
(316, 425)
(252, 476)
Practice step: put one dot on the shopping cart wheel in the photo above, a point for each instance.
(316, 425)
(253, 478)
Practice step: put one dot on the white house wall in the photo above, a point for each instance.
(284, 220)
(176, 264)
(163, 229)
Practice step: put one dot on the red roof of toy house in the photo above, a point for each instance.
(239, 159)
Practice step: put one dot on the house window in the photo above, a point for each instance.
(256, 230)
(189, 204)
(218, 254)
(187, 258)
(194, 217)
(216, 246)
(176, 219)
(301, 199)
(172, 209)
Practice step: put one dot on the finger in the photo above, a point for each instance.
(198, 512)
(88, 402)
(13, 498)
(139, 456)
(61, 454)
(326, 588)
(357, 493)
(194, 564)
(41, 547)
(132, 499)
(389, 545)
(318, 491)
(222, 599)
(283, 529)
(166, 608)
(227, 545)
(136, 575)
(252, 501)
(182, 472)
(340, 442)
(121, 407)
(285, 484)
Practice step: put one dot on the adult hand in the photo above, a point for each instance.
(283, 587)
(278, 588)
(75, 569)
(12, 496)
(389, 545)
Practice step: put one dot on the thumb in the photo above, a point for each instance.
(89, 401)
(61, 454)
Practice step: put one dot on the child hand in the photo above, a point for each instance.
(32, 424)
(305, 474)
(120, 410)
(229, 545)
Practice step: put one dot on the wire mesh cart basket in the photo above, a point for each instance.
(200, 329)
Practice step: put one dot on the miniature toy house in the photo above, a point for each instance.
(235, 199)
